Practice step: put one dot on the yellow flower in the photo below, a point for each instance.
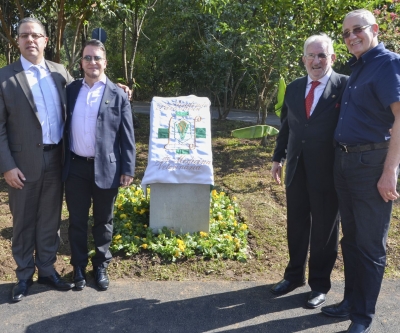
(119, 206)
(144, 225)
(177, 254)
(144, 246)
(116, 237)
(203, 234)
(220, 217)
(214, 193)
(234, 198)
(137, 237)
(142, 211)
(228, 237)
(235, 223)
(221, 194)
(122, 216)
(243, 227)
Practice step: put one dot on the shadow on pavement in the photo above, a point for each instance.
(244, 310)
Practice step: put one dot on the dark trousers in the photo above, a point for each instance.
(312, 224)
(365, 223)
(80, 190)
(36, 211)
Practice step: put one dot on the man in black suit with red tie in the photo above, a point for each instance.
(309, 117)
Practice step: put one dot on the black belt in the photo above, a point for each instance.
(87, 159)
(364, 147)
(50, 147)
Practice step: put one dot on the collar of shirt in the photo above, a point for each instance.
(102, 80)
(367, 56)
(26, 64)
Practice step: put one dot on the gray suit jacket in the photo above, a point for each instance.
(20, 130)
(115, 152)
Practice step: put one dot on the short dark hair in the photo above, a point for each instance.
(96, 43)
(32, 20)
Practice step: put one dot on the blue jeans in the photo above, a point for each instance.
(365, 220)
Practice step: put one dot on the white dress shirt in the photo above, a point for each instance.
(318, 91)
(84, 118)
(47, 126)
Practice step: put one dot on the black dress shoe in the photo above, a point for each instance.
(101, 277)
(55, 281)
(340, 310)
(284, 286)
(79, 277)
(358, 328)
(315, 299)
(20, 290)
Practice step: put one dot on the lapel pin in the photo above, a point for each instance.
(333, 96)
(107, 101)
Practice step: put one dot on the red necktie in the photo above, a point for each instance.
(310, 98)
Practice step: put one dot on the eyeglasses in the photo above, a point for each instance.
(321, 56)
(355, 31)
(34, 36)
(89, 58)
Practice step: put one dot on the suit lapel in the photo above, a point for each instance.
(73, 92)
(108, 96)
(331, 91)
(23, 82)
(60, 87)
(300, 99)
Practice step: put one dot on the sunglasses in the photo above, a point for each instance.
(355, 31)
(89, 58)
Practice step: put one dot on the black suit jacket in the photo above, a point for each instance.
(115, 151)
(313, 137)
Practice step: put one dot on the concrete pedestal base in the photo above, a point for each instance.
(185, 208)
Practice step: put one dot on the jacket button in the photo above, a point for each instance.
(39, 145)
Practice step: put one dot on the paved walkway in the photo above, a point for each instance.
(182, 307)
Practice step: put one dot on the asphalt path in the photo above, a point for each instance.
(182, 307)
(234, 114)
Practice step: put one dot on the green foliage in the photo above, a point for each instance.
(280, 96)
(387, 17)
(227, 237)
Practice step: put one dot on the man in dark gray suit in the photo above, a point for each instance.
(32, 114)
(100, 157)
(309, 117)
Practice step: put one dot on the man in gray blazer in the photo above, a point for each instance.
(309, 117)
(100, 157)
(32, 114)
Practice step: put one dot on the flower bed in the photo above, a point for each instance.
(227, 237)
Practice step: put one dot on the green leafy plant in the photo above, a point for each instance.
(227, 237)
